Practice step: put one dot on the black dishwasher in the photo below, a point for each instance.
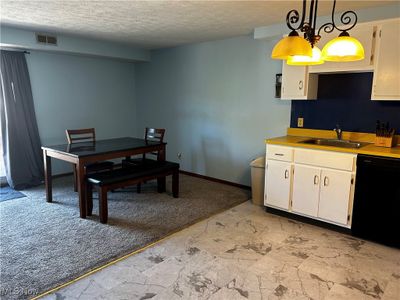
(376, 210)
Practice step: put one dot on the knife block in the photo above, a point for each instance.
(384, 141)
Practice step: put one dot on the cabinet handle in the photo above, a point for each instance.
(278, 154)
(316, 179)
(326, 181)
(286, 174)
(300, 84)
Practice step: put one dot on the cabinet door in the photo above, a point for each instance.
(278, 184)
(306, 185)
(386, 82)
(335, 195)
(294, 80)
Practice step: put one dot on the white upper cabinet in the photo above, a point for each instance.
(362, 32)
(298, 84)
(386, 82)
(381, 41)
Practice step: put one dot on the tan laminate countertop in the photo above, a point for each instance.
(369, 149)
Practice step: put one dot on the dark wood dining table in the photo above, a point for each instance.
(84, 153)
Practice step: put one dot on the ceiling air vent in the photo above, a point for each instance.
(46, 39)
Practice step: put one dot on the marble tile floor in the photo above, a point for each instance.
(246, 253)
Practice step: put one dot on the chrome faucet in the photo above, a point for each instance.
(338, 132)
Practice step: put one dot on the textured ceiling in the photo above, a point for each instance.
(156, 24)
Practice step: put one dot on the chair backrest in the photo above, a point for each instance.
(153, 134)
(80, 135)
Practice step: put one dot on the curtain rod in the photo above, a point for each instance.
(15, 50)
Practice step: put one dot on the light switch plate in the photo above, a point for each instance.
(300, 122)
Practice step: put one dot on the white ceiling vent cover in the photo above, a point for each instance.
(46, 39)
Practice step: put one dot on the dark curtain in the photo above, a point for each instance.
(19, 132)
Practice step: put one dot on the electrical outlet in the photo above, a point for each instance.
(179, 155)
(300, 122)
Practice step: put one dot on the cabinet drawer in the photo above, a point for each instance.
(279, 153)
(327, 159)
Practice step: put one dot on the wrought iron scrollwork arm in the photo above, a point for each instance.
(347, 18)
(295, 23)
(327, 27)
(293, 16)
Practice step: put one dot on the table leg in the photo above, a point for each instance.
(80, 171)
(47, 176)
(103, 206)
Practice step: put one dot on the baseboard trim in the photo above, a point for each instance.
(4, 183)
(242, 186)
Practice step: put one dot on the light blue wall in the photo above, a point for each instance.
(216, 101)
(80, 92)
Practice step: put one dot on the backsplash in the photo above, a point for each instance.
(344, 99)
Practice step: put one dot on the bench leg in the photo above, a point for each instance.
(89, 199)
(138, 188)
(161, 184)
(175, 184)
(103, 207)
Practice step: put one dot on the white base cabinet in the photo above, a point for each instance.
(314, 183)
(306, 190)
(335, 195)
(278, 185)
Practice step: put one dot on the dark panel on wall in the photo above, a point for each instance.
(344, 99)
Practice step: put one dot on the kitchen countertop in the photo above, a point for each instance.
(295, 141)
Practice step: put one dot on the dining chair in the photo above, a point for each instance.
(75, 136)
(150, 134)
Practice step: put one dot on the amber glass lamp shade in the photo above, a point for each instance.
(343, 48)
(299, 60)
(291, 45)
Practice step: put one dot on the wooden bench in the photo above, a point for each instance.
(119, 178)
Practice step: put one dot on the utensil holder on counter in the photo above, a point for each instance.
(384, 141)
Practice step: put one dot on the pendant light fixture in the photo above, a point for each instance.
(301, 60)
(300, 51)
(291, 45)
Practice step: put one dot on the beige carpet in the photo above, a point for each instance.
(46, 244)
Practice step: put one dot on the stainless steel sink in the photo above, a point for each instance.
(334, 143)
